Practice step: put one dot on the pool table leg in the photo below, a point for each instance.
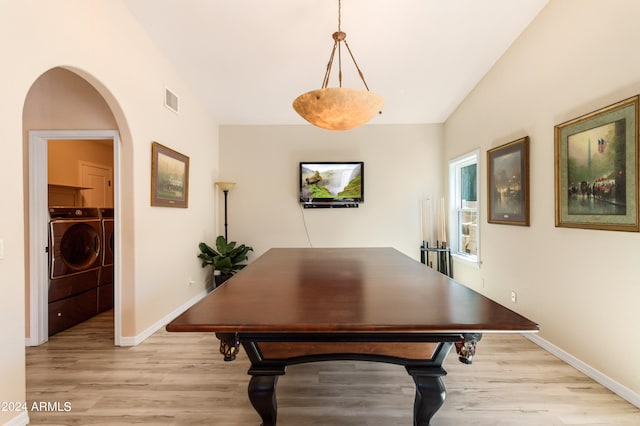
(262, 394)
(430, 393)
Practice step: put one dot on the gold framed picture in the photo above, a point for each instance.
(169, 177)
(596, 169)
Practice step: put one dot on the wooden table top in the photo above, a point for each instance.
(345, 290)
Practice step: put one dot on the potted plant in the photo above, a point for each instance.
(226, 259)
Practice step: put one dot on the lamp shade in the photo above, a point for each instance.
(226, 186)
(338, 108)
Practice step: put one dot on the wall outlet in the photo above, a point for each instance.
(191, 282)
(514, 297)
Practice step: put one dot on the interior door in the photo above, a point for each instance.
(99, 179)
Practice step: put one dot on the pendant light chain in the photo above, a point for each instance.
(339, 37)
(339, 46)
(356, 64)
(338, 108)
(327, 73)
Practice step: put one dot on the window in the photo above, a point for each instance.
(464, 206)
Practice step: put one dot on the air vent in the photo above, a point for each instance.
(171, 100)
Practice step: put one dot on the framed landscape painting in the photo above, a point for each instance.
(596, 169)
(169, 177)
(508, 183)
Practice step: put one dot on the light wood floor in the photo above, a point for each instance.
(180, 379)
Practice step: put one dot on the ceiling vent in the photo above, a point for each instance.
(171, 100)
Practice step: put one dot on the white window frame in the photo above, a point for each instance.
(455, 189)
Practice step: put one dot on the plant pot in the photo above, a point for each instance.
(219, 279)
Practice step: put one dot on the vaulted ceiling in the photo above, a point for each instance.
(248, 59)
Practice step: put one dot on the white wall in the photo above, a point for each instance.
(101, 41)
(402, 165)
(582, 286)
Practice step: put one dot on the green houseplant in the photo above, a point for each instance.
(226, 258)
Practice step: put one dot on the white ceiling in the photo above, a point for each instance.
(249, 59)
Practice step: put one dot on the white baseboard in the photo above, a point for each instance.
(136, 340)
(606, 381)
(21, 419)
(603, 379)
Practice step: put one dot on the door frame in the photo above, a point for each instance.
(39, 229)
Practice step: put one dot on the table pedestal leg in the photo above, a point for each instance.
(430, 394)
(262, 394)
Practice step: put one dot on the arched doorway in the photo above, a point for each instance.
(65, 100)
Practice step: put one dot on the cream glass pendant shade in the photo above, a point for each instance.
(338, 108)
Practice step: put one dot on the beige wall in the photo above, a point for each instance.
(582, 286)
(65, 156)
(100, 41)
(67, 165)
(402, 165)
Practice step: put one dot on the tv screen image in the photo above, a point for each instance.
(331, 182)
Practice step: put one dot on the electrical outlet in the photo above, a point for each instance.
(514, 296)
(191, 282)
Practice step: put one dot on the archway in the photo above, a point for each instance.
(100, 112)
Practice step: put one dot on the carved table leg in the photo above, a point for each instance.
(430, 394)
(466, 348)
(229, 345)
(262, 394)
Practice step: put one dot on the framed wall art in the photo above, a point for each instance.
(508, 183)
(169, 177)
(596, 169)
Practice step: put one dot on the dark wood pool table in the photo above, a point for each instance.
(298, 305)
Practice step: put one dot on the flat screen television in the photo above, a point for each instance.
(331, 184)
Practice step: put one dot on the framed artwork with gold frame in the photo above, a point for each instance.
(169, 177)
(596, 169)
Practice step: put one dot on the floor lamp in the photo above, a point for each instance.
(226, 187)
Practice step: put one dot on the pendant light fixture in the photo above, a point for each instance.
(338, 108)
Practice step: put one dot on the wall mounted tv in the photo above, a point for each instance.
(325, 184)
